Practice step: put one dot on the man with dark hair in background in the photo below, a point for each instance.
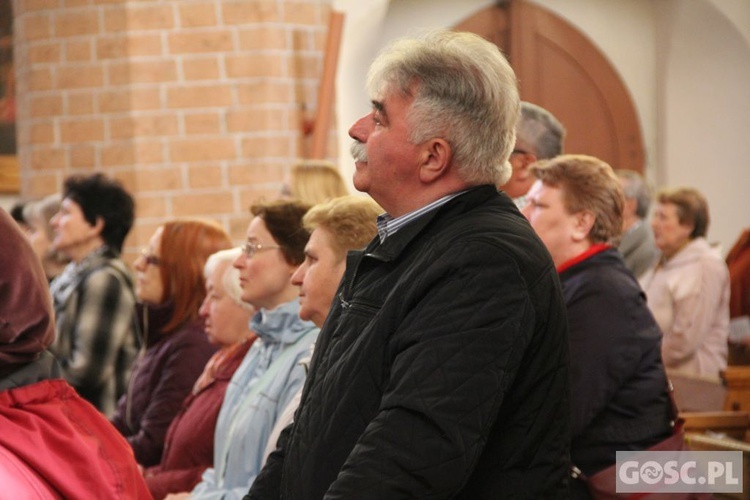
(539, 136)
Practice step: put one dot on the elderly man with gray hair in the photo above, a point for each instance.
(441, 370)
(637, 243)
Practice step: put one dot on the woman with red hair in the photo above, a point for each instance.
(170, 289)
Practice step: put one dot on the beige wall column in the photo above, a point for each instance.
(195, 105)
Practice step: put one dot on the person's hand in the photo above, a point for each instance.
(178, 496)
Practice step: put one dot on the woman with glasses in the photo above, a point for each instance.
(189, 446)
(271, 372)
(170, 287)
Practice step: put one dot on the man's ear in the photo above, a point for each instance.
(527, 159)
(584, 222)
(436, 160)
(522, 173)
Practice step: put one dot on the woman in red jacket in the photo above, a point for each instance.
(53, 443)
(738, 261)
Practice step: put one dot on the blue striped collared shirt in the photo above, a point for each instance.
(388, 225)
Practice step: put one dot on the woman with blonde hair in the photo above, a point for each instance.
(313, 182)
(170, 287)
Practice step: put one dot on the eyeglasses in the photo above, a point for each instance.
(149, 258)
(250, 248)
(519, 152)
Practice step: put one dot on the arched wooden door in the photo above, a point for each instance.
(561, 70)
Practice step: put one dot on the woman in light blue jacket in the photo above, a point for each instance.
(270, 374)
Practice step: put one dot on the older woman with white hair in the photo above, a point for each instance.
(38, 215)
(189, 446)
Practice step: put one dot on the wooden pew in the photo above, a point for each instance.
(717, 415)
(731, 424)
(721, 431)
(737, 381)
(694, 393)
(703, 442)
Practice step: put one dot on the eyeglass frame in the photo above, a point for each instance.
(249, 249)
(149, 258)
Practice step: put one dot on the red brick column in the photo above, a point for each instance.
(196, 105)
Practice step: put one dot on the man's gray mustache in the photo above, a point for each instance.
(358, 151)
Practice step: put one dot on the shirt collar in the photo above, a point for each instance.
(388, 226)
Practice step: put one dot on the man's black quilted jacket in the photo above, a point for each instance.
(441, 371)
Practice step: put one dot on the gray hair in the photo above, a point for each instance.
(43, 210)
(540, 130)
(635, 187)
(230, 280)
(464, 92)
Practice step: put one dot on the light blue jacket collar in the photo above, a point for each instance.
(280, 325)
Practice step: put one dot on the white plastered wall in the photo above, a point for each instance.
(685, 63)
(704, 107)
(687, 66)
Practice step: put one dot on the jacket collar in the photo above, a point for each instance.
(634, 236)
(153, 318)
(592, 250)
(280, 325)
(44, 368)
(395, 244)
(690, 253)
(67, 282)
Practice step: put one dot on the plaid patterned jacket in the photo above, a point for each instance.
(97, 337)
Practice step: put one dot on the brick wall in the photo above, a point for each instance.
(196, 105)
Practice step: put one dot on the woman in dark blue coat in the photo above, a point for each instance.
(619, 395)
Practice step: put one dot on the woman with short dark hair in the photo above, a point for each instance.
(271, 373)
(93, 297)
(618, 387)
